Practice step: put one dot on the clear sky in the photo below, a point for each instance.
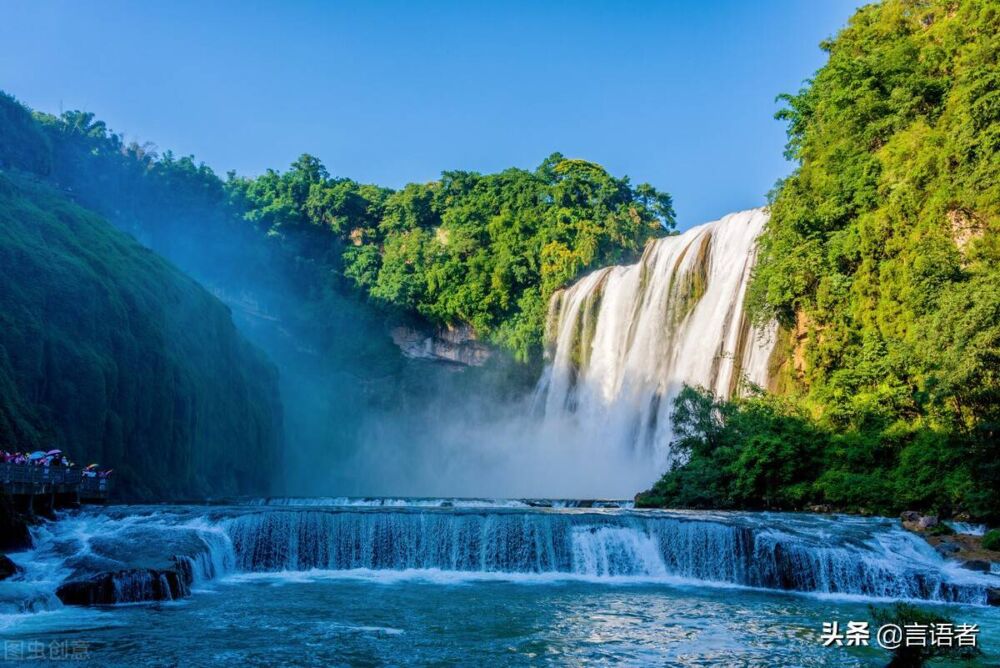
(679, 94)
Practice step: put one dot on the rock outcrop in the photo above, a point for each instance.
(968, 550)
(8, 568)
(978, 565)
(947, 548)
(454, 345)
(136, 585)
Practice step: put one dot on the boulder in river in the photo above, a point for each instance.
(8, 568)
(993, 596)
(136, 585)
(979, 565)
(947, 548)
(913, 521)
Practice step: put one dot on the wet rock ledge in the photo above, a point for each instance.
(967, 549)
(131, 585)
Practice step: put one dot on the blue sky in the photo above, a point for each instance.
(679, 94)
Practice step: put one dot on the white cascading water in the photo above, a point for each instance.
(624, 340)
(867, 557)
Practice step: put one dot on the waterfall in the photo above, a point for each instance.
(869, 558)
(624, 340)
(431, 502)
(126, 555)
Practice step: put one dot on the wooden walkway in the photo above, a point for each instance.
(42, 488)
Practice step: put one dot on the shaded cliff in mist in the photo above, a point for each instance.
(113, 355)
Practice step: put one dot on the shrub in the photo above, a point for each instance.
(991, 541)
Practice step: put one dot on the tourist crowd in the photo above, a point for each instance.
(50, 458)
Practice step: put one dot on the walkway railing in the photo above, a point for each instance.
(29, 473)
(33, 480)
(94, 488)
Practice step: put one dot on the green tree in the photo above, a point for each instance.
(882, 253)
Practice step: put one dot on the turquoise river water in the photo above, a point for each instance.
(473, 582)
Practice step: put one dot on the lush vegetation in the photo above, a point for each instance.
(882, 263)
(320, 270)
(991, 540)
(758, 452)
(766, 451)
(112, 354)
(485, 251)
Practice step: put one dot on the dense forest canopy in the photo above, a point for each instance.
(882, 263)
(486, 251)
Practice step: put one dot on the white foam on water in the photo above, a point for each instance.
(436, 576)
(967, 528)
(377, 630)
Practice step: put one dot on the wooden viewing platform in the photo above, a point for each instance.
(42, 488)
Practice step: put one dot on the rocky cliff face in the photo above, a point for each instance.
(457, 345)
(111, 354)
